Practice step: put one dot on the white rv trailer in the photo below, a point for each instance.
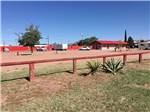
(60, 46)
(144, 45)
(41, 47)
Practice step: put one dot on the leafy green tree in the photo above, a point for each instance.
(81, 42)
(87, 41)
(130, 42)
(141, 40)
(31, 37)
(75, 43)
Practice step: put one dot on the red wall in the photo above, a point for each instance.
(22, 48)
(15, 48)
(49, 47)
(74, 47)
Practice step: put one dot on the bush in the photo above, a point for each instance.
(93, 66)
(112, 66)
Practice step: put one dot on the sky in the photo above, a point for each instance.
(67, 22)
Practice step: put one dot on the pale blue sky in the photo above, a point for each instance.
(67, 21)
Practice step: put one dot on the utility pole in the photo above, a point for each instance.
(3, 46)
(4, 43)
(82, 38)
(16, 41)
(48, 42)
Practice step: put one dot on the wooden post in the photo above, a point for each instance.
(104, 60)
(124, 59)
(140, 58)
(74, 66)
(31, 72)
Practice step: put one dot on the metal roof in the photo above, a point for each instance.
(111, 42)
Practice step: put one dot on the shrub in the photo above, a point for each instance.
(112, 66)
(93, 66)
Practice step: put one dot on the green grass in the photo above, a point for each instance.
(128, 91)
(122, 93)
(46, 70)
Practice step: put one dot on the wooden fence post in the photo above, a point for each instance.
(74, 66)
(31, 72)
(124, 59)
(104, 60)
(140, 58)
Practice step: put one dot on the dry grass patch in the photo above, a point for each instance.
(18, 92)
(127, 91)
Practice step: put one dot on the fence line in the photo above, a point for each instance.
(74, 60)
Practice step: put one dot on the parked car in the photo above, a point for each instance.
(41, 49)
(85, 49)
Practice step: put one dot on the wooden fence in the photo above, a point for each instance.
(74, 60)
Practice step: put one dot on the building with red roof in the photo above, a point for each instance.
(109, 45)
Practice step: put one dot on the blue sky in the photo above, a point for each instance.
(67, 21)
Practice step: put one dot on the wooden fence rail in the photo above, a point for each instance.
(74, 60)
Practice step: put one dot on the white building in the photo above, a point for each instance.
(144, 45)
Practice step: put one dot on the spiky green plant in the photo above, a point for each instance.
(112, 66)
(93, 66)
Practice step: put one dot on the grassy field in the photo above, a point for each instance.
(41, 69)
(128, 91)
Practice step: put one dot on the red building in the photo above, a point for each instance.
(109, 45)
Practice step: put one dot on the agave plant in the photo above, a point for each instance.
(93, 66)
(112, 66)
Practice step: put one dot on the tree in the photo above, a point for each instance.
(31, 37)
(130, 42)
(87, 41)
(141, 40)
(125, 36)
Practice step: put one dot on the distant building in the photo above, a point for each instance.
(45, 47)
(109, 45)
(144, 44)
